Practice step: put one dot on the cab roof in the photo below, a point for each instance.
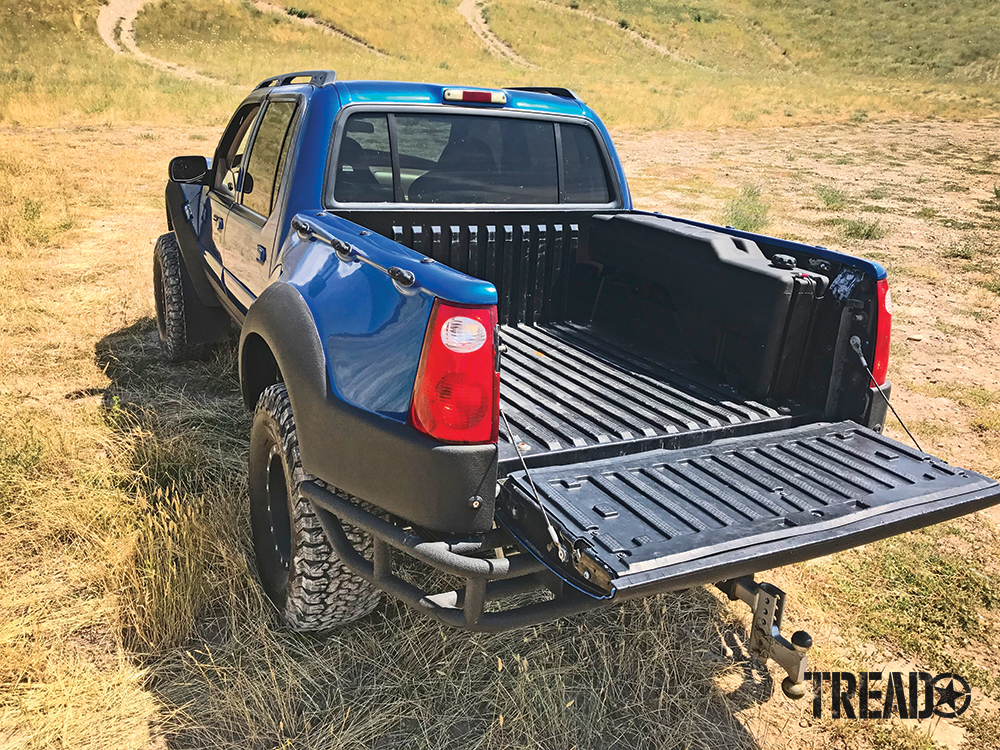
(549, 101)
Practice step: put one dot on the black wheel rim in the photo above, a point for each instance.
(277, 506)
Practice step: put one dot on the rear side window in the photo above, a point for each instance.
(466, 159)
(583, 169)
(267, 158)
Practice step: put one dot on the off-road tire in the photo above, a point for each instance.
(168, 288)
(301, 574)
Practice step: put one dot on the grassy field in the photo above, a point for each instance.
(129, 613)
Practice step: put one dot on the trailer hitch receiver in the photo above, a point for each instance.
(767, 602)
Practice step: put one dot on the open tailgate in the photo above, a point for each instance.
(669, 519)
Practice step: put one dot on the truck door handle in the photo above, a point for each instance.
(218, 222)
(261, 253)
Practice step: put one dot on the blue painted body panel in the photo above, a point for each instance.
(372, 329)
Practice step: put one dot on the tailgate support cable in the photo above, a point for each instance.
(534, 492)
(856, 346)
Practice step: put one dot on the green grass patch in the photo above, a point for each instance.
(960, 251)
(833, 198)
(747, 211)
(863, 229)
(991, 284)
(915, 591)
(958, 224)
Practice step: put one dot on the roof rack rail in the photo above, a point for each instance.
(316, 78)
(554, 90)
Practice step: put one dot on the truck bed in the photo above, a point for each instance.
(570, 395)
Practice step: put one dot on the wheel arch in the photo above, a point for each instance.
(279, 343)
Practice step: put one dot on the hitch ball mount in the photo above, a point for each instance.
(767, 602)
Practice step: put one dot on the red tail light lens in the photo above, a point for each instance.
(883, 332)
(456, 396)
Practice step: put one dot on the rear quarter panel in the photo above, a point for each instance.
(371, 328)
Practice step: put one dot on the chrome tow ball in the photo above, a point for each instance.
(767, 602)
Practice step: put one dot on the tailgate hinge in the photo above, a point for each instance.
(766, 642)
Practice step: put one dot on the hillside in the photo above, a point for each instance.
(641, 64)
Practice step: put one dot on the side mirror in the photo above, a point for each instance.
(247, 183)
(190, 170)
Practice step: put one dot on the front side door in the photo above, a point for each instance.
(253, 219)
(225, 183)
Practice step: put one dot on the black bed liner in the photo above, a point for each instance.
(571, 395)
(669, 519)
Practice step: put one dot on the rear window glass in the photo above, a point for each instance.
(467, 159)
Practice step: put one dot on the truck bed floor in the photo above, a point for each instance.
(570, 395)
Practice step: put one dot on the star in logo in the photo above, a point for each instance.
(952, 699)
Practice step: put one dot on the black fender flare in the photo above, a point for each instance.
(205, 320)
(446, 488)
(190, 247)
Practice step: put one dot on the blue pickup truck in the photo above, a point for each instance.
(466, 351)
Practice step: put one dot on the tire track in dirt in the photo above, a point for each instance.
(116, 20)
(317, 23)
(115, 25)
(472, 12)
(632, 33)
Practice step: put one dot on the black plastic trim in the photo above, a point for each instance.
(191, 249)
(878, 407)
(206, 321)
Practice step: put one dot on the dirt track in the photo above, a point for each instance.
(115, 25)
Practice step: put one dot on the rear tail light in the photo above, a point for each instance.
(883, 332)
(456, 396)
